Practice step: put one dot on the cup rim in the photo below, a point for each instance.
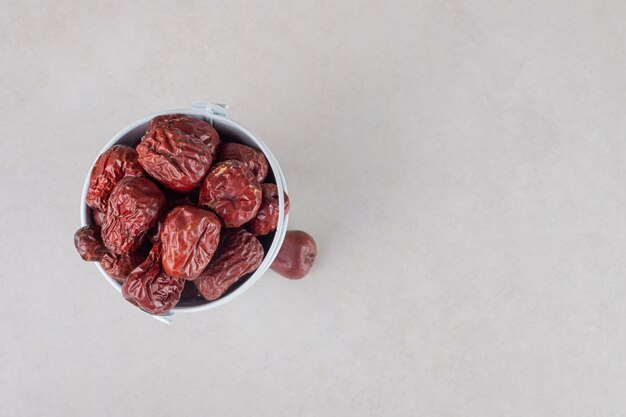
(281, 184)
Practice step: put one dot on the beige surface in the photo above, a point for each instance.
(461, 164)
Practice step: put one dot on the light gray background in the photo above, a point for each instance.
(461, 164)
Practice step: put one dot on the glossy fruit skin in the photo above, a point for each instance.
(191, 126)
(134, 207)
(189, 238)
(175, 159)
(266, 219)
(296, 255)
(239, 254)
(231, 191)
(149, 288)
(110, 168)
(89, 244)
(253, 159)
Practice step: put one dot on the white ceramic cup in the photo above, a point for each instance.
(216, 115)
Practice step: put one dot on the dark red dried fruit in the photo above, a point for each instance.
(175, 159)
(172, 200)
(134, 207)
(296, 255)
(253, 159)
(239, 254)
(189, 238)
(89, 244)
(116, 163)
(98, 217)
(149, 288)
(91, 248)
(266, 218)
(232, 192)
(119, 266)
(191, 126)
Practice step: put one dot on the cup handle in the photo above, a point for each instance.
(210, 109)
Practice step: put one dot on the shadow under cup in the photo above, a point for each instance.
(229, 132)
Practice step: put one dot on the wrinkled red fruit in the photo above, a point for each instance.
(98, 217)
(89, 244)
(175, 159)
(266, 218)
(232, 192)
(149, 288)
(296, 255)
(172, 200)
(239, 254)
(91, 248)
(119, 266)
(191, 126)
(189, 238)
(134, 207)
(253, 159)
(116, 163)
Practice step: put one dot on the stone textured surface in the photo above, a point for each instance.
(461, 164)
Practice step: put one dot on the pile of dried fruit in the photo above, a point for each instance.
(180, 214)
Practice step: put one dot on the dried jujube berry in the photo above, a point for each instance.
(296, 255)
(189, 237)
(172, 199)
(266, 218)
(91, 248)
(253, 159)
(149, 288)
(175, 159)
(239, 254)
(134, 207)
(111, 166)
(119, 266)
(191, 126)
(89, 243)
(231, 191)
